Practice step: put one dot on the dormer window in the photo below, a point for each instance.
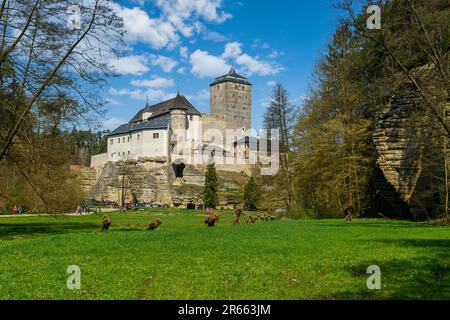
(146, 116)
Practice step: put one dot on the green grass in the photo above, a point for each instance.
(316, 259)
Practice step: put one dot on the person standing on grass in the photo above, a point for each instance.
(14, 209)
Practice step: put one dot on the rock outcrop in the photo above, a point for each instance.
(402, 177)
(153, 181)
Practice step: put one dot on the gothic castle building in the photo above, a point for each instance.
(156, 130)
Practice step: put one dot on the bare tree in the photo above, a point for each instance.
(43, 59)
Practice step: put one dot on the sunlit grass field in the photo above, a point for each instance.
(184, 259)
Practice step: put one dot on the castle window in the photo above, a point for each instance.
(128, 139)
(156, 136)
(118, 140)
(123, 139)
(138, 137)
(128, 152)
(191, 117)
(111, 141)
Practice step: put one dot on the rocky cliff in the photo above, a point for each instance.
(153, 180)
(401, 142)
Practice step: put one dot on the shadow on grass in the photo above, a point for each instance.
(423, 277)
(10, 230)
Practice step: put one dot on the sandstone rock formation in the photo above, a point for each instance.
(153, 180)
(400, 139)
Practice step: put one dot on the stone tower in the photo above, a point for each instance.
(231, 100)
(178, 118)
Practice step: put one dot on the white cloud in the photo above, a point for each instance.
(232, 50)
(177, 17)
(181, 70)
(159, 33)
(136, 65)
(153, 95)
(184, 52)
(206, 65)
(271, 83)
(165, 63)
(209, 10)
(113, 123)
(214, 36)
(156, 82)
(254, 66)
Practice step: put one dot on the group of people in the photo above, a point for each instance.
(18, 209)
(85, 209)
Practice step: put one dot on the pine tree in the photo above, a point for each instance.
(280, 116)
(210, 197)
(251, 195)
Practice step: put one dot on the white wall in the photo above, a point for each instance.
(154, 147)
(139, 144)
(119, 150)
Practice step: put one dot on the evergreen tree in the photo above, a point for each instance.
(280, 116)
(210, 197)
(251, 195)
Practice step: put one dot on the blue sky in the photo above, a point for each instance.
(185, 44)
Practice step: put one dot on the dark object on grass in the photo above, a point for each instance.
(238, 212)
(106, 223)
(212, 218)
(153, 225)
(250, 220)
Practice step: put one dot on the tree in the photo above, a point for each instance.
(251, 195)
(280, 116)
(210, 197)
(50, 76)
(48, 71)
(333, 152)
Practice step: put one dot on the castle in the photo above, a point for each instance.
(158, 130)
(149, 159)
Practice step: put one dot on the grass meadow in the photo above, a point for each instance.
(301, 259)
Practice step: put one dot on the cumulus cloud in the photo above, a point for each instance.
(177, 17)
(156, 82)
(254, 66)
(209, 10)
(232, 50)
(135, 65)
(184, 52)
(206, 65)
(165, 63)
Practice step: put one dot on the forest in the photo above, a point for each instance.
(372, 139)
